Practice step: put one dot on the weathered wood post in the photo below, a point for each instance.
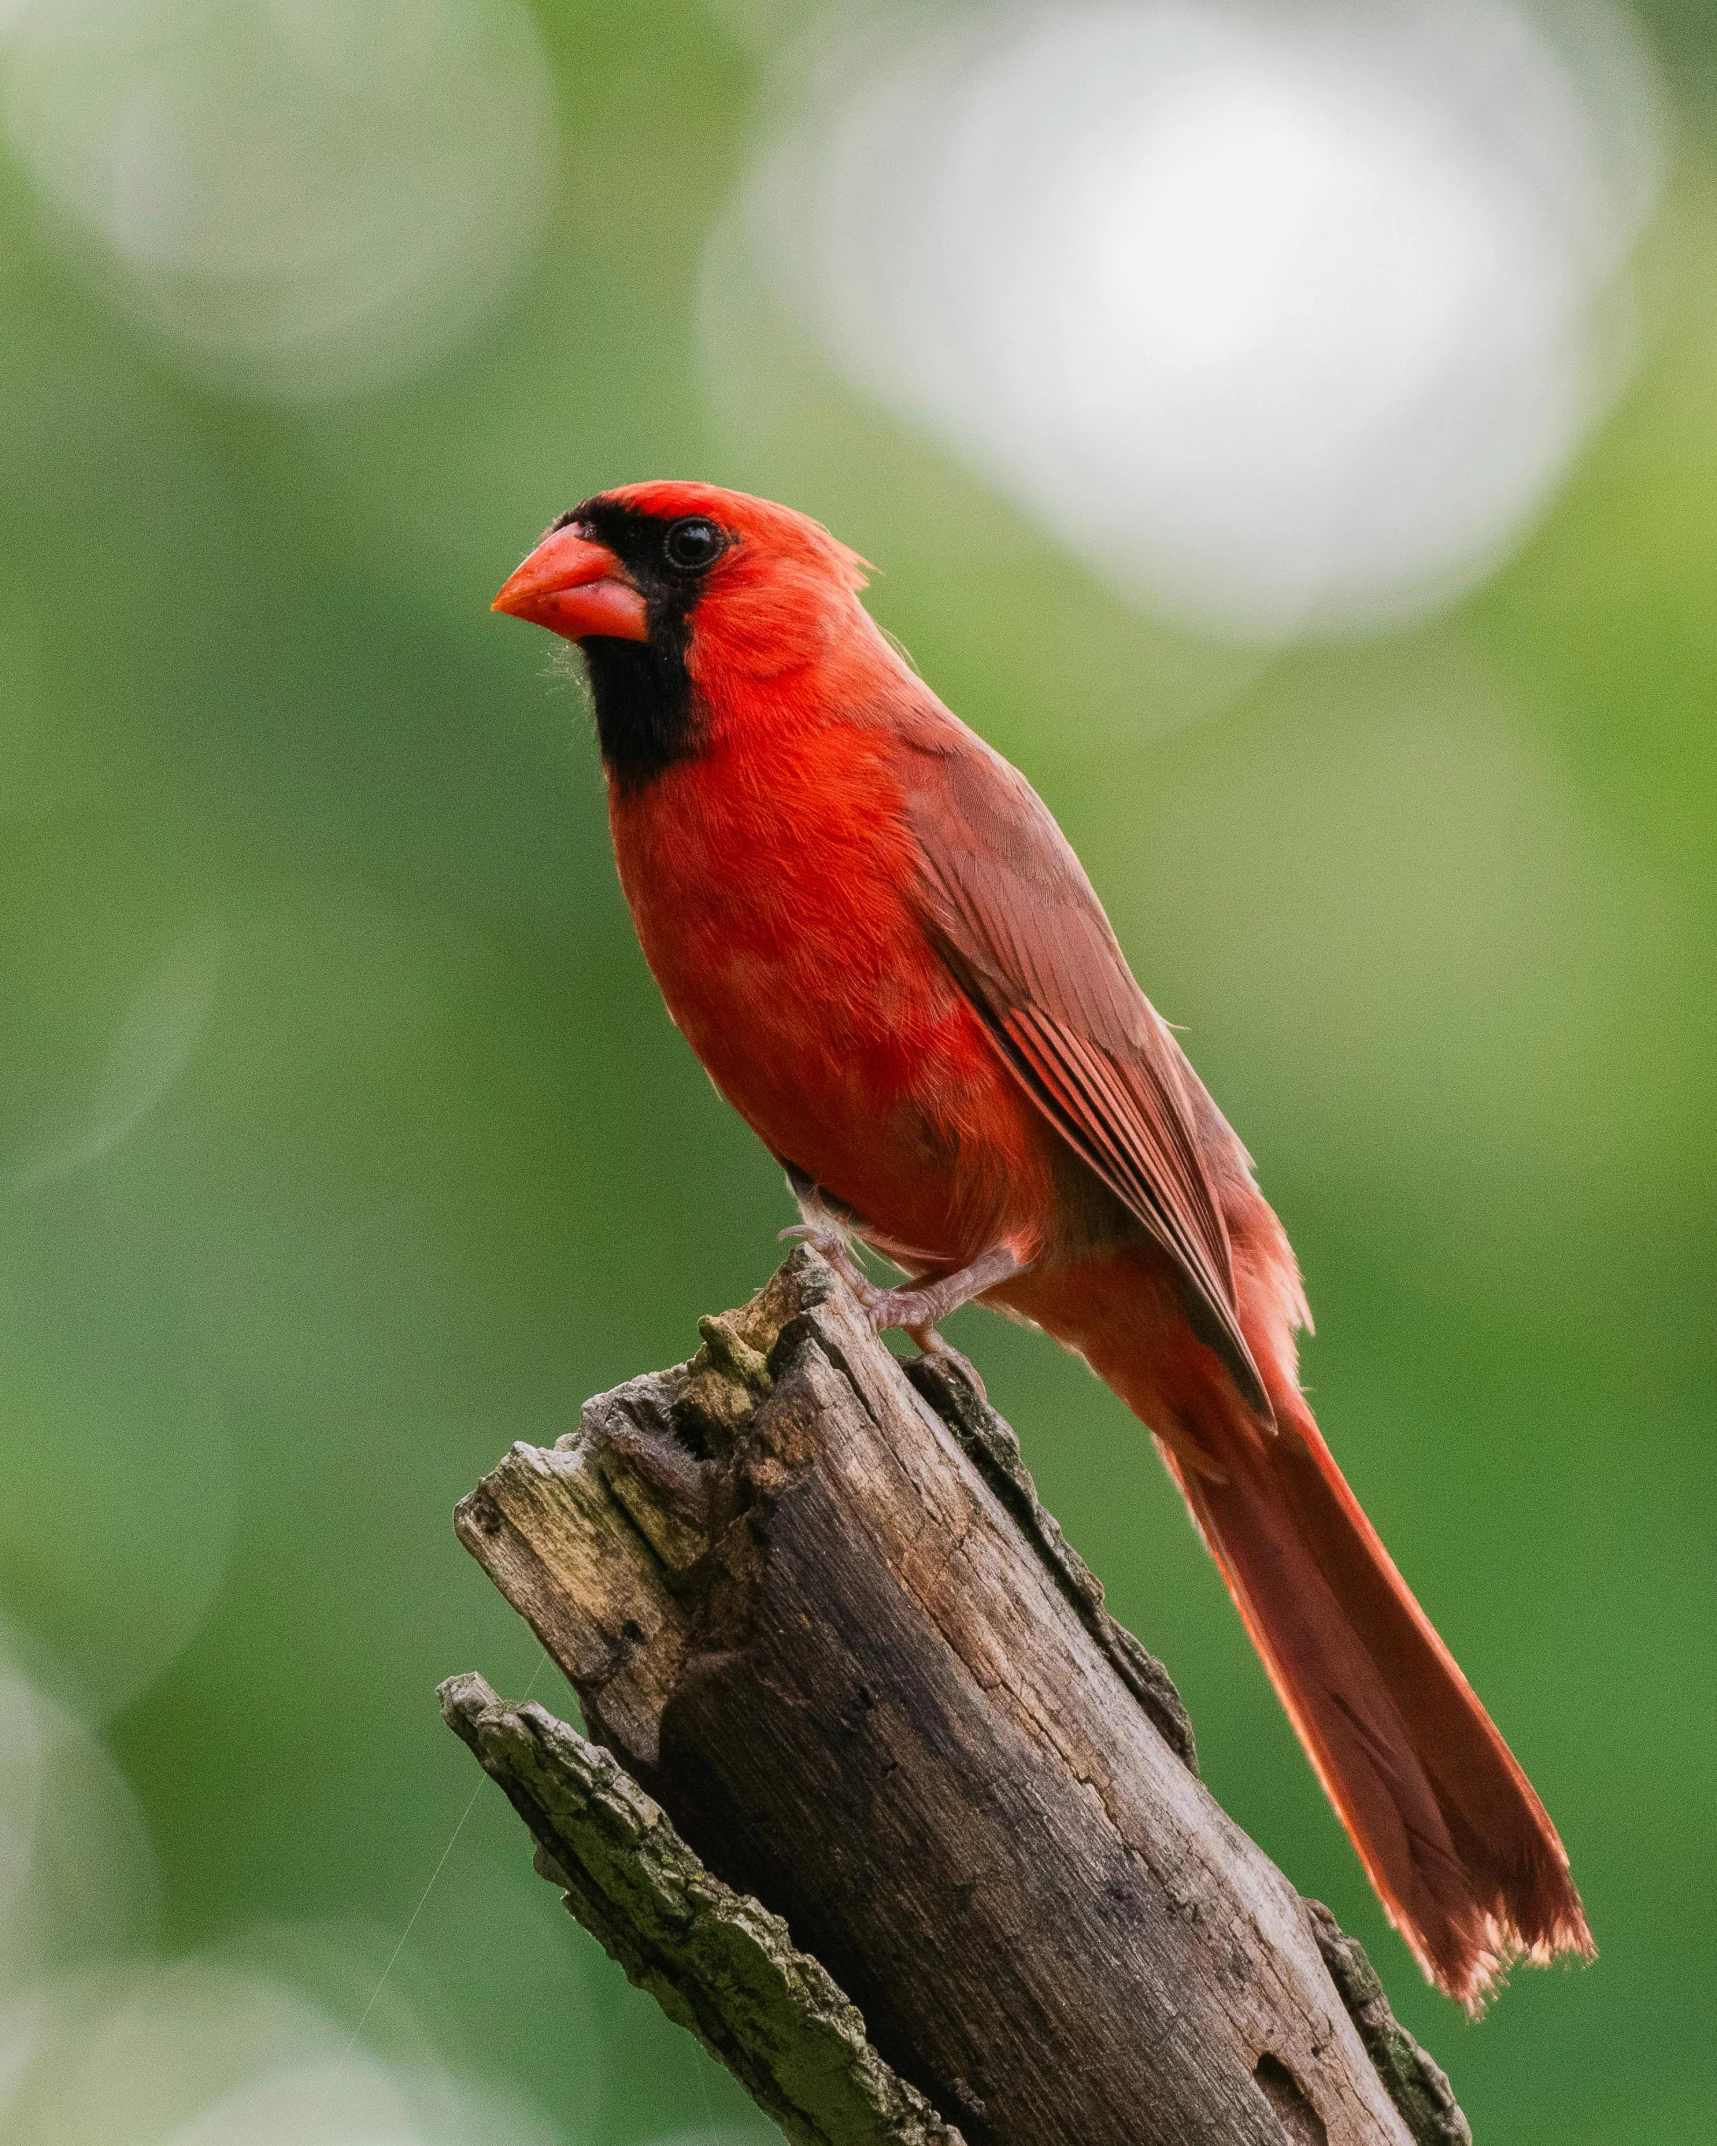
(839, 1659)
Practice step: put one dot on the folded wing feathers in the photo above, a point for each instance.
(1024, 934)
(1116, 1133)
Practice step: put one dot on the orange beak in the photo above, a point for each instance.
(577, 589)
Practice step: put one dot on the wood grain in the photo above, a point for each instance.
(830, 1631)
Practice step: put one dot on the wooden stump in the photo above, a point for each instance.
(810, 1603)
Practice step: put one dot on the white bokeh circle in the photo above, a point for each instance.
(77, 1877)
(105, 2043)
(298, 198)
(198, 2053)
(1285, 318)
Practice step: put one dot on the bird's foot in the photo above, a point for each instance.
(915, 1311)
(918, 1309)
(930, 1343)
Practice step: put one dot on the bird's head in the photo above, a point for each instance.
(683, 597)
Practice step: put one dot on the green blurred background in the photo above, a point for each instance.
(343, 1138)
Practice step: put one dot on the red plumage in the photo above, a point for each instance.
(887, 956)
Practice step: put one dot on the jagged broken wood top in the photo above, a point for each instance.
(611, 1545)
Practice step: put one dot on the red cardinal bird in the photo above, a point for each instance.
(882, 947)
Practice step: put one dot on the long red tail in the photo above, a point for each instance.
(1460, 1849)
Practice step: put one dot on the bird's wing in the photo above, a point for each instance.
(1009, 908)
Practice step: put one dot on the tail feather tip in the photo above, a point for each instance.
(1473, 1963)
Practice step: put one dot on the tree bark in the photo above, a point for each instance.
(715, 1960)
(817, 1612)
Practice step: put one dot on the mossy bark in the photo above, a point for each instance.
(716, 1961)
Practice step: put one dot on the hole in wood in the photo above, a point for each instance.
(1300, 2122)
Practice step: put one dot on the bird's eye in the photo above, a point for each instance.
(692, 543)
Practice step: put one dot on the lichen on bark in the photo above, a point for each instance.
(715, 1960)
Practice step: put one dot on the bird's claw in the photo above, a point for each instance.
(904, 1308)
(930, 1343)
(883, 1308)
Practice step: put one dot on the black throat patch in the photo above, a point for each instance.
(646, 709)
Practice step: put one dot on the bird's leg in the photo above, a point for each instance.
(917, 1310)
(914, 1310)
